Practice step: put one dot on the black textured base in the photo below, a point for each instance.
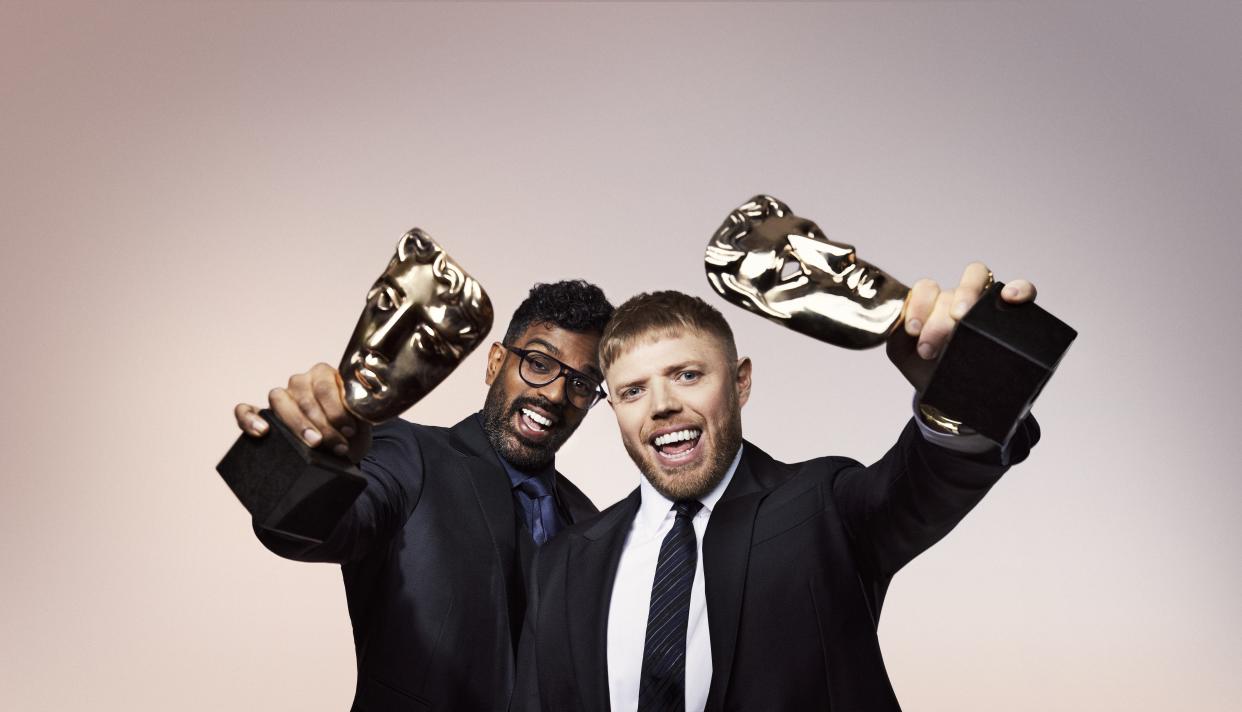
(288, 487)
(997, 362)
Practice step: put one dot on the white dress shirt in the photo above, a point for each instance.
(631, 599)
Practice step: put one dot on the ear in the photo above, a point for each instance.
(743, 381)
(495, 359)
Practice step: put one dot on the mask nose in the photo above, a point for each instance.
(389, 334)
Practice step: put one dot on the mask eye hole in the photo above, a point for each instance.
(385, 297)
(429, 342)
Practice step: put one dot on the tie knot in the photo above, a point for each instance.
(534, 487)
(687, 508)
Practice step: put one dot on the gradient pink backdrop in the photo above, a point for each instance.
(195, 197)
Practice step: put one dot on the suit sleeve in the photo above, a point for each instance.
(914, 495)
(394, 470)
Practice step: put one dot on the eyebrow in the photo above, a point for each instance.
(679, 366)
(393, 284)
(590, 370)
(682, 365)
(538, 341)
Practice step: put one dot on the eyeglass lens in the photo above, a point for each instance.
(540, 370)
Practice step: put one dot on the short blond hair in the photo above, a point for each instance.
(650, 315)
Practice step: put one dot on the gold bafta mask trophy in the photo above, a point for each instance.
(766, 259)
(422, 317)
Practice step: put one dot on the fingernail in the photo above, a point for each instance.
(959, 310)
(259, 425)
(341, 449)
(347, 431)
(311, 436)
(916, 327)
(927, 351)
(1011, 291)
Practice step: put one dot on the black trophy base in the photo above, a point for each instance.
(288, 487)
(996, 364)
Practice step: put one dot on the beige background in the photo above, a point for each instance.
(194, 198)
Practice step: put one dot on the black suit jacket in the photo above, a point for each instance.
(435, 560)
(796, 559)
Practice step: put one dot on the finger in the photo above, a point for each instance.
(287, 409)
(919, 307)
(975, 279)
(1018, 291)
(302, 391)
(326, 386)
(938, 328)
(249, 420)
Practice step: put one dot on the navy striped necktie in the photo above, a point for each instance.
(663, 683)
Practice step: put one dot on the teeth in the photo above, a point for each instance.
(537, 418)
(687, 434)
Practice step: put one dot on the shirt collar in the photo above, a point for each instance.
(655, 507)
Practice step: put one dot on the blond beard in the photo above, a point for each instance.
(692, 485)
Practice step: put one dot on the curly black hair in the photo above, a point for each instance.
(573, 305)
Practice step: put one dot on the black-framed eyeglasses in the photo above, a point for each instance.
(539, 369)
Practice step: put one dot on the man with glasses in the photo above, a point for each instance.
(435, 553)
(530, 440)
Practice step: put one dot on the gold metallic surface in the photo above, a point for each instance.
(423, 316)
(937, 420)
(780, 266)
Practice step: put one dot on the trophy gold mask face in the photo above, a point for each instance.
(423, 316)
(780, 266)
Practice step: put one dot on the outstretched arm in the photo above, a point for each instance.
(915, 494)
(925, 485)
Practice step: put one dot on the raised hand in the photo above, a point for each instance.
(313, 406)
(932, 314)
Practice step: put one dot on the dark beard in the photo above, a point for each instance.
(696, 487)
(510, 445)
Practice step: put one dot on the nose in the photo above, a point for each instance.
(557, 391)
(664, 402)
(389, 334)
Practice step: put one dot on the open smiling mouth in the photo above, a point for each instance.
(677, 447)
(534, 423)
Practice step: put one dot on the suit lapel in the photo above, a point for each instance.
(590, 572)
(726, 555)
(490, 482)
(491, 487)
(576, 506)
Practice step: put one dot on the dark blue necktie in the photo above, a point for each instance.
(546, 522)
(663, 684)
